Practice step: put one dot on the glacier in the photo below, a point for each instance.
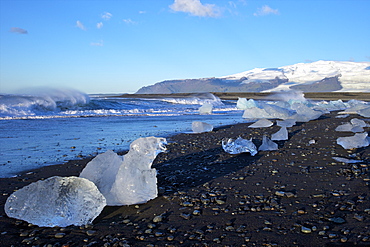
(129, 179)
(56, 201)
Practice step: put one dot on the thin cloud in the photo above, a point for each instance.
(18, 30)
(196, 8)
(106, 16)
(128, 21)
(99, 25)
(266, 10)
(99, 43)
(80, 25)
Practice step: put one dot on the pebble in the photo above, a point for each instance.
(158, 218)
(306, 229)
(59, 235)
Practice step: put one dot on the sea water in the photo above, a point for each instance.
(53, 126)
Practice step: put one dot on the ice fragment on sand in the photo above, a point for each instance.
(357, 141)
(199, 127)
(347, 161)
(364, 112)
(356, 125)
(238, 146)
(286, 123)
(262, 123)
(281, 135)
(102, 170)
(359, 122)
(267, 145)
(135, 181)
(56, 201)
(206, 108)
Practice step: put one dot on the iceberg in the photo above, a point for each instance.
(267, 145)
(206, 108)
(238, 146)
(56, 201)
(281, 135)
(357, 141)
(129, 179)
(199, 127)
(262, 123)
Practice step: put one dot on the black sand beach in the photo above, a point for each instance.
(296, 196)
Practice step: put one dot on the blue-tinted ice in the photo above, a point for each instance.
(56, 201)
(238, 146)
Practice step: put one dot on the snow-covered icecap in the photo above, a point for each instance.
(353, 76)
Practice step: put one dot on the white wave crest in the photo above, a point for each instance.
(40, 101)
(196, 99)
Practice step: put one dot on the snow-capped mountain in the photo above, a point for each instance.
(320, 76)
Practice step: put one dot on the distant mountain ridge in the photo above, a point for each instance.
(320, 76)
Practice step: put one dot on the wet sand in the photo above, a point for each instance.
(296, 196)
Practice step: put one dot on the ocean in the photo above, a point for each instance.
(49, 126)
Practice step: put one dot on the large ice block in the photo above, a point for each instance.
(199, 127)
(56, 201)
(134, 181)
(359, 140)
(238, 146)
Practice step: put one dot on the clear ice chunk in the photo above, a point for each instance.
(206, 108)
(347, 161)
(238, 146)
(244, 104)
(286, 123)
(347, 127)
(357, 141)
(304, 113)
(364, 112)
(199, 127)
(262, 123)
(281, 135)
(56, 201)
(102, 170)
(359, 122)
(267, 145)
(134, 181)
(255, 113)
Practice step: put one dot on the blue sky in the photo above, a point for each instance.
(119, 46)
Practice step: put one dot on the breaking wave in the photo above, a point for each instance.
(41, 101)
(196, 99)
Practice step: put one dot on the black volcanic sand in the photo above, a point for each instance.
(296, 196)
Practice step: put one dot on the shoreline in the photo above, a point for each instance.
(258, 96)
(295, 196)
